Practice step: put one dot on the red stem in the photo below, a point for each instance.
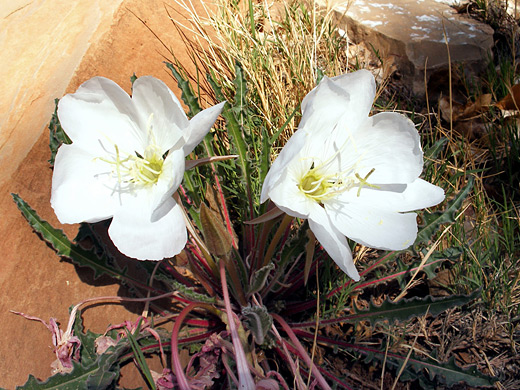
(177, 368)
(244, 375)
(301, 351)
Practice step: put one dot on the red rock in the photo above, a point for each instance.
(53, 48)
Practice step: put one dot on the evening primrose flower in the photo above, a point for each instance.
(350, 174)
(126, 160)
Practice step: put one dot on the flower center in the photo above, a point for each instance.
(314, 185)
(321, 187)
(147, 169)
(134, 170)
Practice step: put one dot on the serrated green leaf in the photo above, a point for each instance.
(187, 96)
(435, 220)
(98, 375)
(76, 380)
(450, 373)
(57, 136)
(187, 292)
(108, 366)
(407, 308)
(63, 246)
(88, 353)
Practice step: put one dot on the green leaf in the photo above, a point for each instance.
(433, 221)
(449, 371)
(187, 292)
(88, 353)
(234, 120)
(188, 97)
(107, 366)
(259, 278)
(76, 380)
(139, 356)
(407, 308)
(57, 136)
(258, 321)
(433, 151)
(63, 246)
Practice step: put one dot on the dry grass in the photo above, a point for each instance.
(281, 46)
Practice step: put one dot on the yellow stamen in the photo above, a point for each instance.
(363, 181)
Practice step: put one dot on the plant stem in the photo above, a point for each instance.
(177, 368)
(316, 373)
(244, 375)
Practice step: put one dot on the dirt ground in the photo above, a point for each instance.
(33, 280)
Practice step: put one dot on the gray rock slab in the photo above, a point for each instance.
(413, 34)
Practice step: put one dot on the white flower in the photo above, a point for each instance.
(125, 162)
(350, 174)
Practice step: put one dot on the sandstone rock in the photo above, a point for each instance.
(48, 49)
(411, 34)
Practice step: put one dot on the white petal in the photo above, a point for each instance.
(390, 144)
(291, 149)
(169, 181)
(372, 226)
(332, 241)
(344, 101)
(100, 114)
(288, 197)
(200, 125)
(136, 236)
(160, 110)
(82, 187)
(400, 197)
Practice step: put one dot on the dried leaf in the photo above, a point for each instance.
(512, 100)
(454, 112)
(215, 204)
(216, 236)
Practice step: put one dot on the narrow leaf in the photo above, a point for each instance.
(402, 310)
(187, 96)
(435, 220)
(450, 372)
(408, 308)
(63, 246)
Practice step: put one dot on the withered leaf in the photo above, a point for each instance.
(512, 100)
(216, 236)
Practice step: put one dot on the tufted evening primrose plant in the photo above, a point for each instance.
(126, 160)
(351, 174)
